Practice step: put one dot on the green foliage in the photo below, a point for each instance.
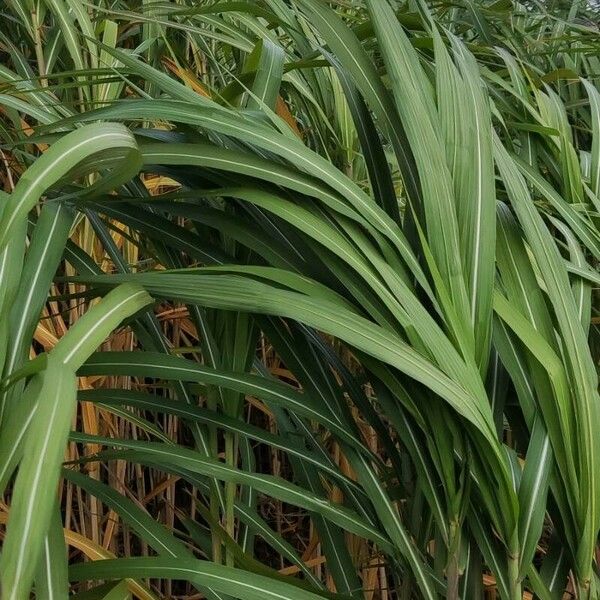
(402, 200)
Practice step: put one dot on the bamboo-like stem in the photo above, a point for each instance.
(515, 591)
(39, 51)
(230, 492)
(453, 566)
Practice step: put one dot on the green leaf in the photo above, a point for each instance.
(70, 151)
(229, 580)
(46, 437)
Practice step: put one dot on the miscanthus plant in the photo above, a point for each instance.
(399, 201)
